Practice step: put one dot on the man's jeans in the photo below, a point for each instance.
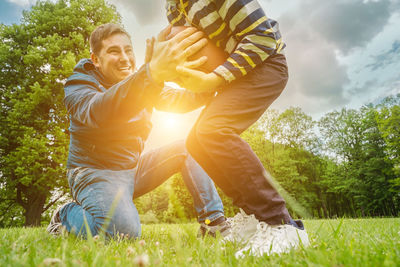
(104, 197)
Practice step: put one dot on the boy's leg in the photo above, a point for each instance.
(215, 143)
(156, 166)
(102, 197)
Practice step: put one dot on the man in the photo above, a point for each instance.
(252, 77)
(110, 107)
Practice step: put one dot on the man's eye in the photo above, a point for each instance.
(113, 52)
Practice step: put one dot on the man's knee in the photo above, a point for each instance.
(127, 227)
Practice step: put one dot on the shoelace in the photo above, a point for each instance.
(242, 227)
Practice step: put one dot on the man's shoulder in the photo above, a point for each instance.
(84, 73)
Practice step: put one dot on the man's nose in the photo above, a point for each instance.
(124, 57)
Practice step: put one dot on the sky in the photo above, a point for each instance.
(342, 53)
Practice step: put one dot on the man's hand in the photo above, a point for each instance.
(168, 54)
(149, 49)
(198, 81)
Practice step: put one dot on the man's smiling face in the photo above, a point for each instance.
(115, 60)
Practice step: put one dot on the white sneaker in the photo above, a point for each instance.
(242, 227)
(270, 239)
(55, 227)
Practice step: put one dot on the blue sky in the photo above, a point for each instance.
(10, 12)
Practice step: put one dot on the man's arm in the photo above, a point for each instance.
(87, 103)
(181, 101)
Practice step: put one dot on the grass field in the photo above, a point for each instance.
(342, 242)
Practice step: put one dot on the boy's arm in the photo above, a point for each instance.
(174, 16)
(259, 37)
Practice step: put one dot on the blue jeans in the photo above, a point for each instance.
(104, 197)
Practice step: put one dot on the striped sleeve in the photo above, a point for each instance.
(175, 17)
(258, 36)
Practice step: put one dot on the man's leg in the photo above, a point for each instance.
(156, 166)
(215, 142)
(102, 198)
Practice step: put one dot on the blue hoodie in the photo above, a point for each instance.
(110, 123)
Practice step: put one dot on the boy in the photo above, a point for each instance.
(252, 77)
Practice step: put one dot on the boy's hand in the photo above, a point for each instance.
(198, 81)
(168, 54)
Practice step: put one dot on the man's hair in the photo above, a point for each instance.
(103, 32)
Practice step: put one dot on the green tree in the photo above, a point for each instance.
(292, 127)
(36, 56)
(388, 119)
(361, 180)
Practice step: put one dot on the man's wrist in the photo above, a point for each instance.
(152, 77)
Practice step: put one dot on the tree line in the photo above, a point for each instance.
(344, 164)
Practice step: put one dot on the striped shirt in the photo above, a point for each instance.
(240, 27)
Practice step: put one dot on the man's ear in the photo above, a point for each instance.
(95, 59)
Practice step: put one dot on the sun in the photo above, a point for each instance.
(170, 122)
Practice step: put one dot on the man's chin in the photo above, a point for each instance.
(124, 75)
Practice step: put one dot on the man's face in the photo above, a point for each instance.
(115, 60)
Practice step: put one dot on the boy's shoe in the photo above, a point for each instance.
(260, 238)
(242, 227)
(211, 230)
(55, 227)
(270, 239)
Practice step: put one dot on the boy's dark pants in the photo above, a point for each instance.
(215, 143)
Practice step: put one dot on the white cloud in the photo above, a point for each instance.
(327, 41)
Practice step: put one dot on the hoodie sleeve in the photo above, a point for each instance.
(181, 101)
(89, 103)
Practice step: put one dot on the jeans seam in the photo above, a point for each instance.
(198, 193)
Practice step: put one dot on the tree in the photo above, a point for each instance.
(36, 56)
(292, 127)
(388, 119)
(362, 177)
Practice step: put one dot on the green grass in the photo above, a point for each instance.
(342, 242)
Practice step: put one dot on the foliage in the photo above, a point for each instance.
(363, 175)
(36, 56)
(388, 119)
